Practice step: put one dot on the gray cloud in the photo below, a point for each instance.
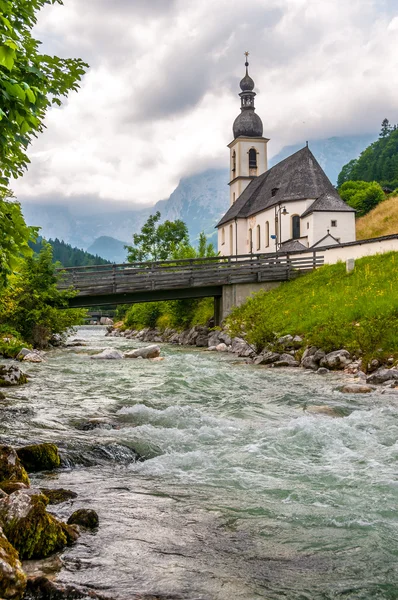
(161, 95)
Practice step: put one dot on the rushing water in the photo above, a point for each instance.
(243, 494)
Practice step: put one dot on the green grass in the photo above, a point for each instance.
(329, 309)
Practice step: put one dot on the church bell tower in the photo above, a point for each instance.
(248, 150)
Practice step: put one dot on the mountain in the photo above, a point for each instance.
(199, 200)
(109, 248)
(331, 153)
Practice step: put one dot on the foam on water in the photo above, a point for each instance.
(242, 493)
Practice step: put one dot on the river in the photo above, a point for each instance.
(243, 494)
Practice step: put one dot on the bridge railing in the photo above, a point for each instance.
(197, 272)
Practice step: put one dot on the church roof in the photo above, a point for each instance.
(298, 177)
(292, 245)
(328, 203)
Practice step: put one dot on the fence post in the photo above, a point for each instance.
(114, 278)
(314, 260)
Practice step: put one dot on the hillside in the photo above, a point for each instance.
(67, 255)
(378, 162)
(382, 220)
(329, 308)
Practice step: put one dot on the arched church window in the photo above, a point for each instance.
(250, 241)
(267, 234)
(295, 227)
(231, 240)
(252, 158)
(223, 236)
(258, 237)
(233, 167)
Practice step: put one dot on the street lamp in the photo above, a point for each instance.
(279, 211)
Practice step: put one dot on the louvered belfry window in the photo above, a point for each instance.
(252, 158)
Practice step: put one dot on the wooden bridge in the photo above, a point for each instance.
(177, 279)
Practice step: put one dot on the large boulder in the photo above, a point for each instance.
(309, 363)
(58, 496)
(12, 577)
(286, 360)
(147, 352)
(39, 457)
(338, 359)
(11, 375)
(382, 375)
(29, 528)
(108, 354)
(11, 468)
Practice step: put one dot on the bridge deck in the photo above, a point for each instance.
(173, 279)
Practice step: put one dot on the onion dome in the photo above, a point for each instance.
(248, 123)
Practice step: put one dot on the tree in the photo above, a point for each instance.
(157, 242)
(32, 304)
(362, 195)
(204, 249)
(30, 83)
(386, 128)
(15, 236)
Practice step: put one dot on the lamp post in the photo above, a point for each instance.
(279, 211)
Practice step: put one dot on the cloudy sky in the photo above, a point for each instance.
(160, 97)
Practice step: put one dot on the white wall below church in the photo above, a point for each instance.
(344, 231)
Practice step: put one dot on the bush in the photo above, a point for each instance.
(362, 195)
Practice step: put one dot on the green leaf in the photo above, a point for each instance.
(7, 57)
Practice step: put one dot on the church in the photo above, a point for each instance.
(291, 207)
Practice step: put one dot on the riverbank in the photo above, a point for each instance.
(285, 352)
(253, 482)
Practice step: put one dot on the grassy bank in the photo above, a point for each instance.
(382, 220)
(329, 309)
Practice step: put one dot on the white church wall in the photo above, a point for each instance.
(341, 225)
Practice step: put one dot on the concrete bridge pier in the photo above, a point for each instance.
(235, 294)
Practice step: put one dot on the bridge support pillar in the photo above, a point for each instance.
(235, 294)
(217, 311)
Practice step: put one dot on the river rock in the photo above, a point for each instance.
(11, 375)
(29, 528)
(22, 353)
(9, 487)
(323, 410)
(267, 358)
(32, 357)
(310, 363)
(285, 341)
(214, 338)
(108, 354)
(12, 577)
(202, 340)
(212, 349)
(11, 468)
(338, 359)
(222, 347)
(2, 396)
(322, 371)
(39, 457)
(84, 517)
(57, 496)
(147, 352)
(242, 348)
(356, 388)
(382, 375)
(286, 360)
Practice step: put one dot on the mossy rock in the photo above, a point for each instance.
(2, 396)
(57, 496)
(12, 577)
(11, 375)
(29, 528)
(39, 457)
(84, 517)
(11, 468)
(9, 487)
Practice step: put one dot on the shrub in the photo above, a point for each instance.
(362, 195)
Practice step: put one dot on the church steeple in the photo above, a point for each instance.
(247, 124)
(248, 150)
